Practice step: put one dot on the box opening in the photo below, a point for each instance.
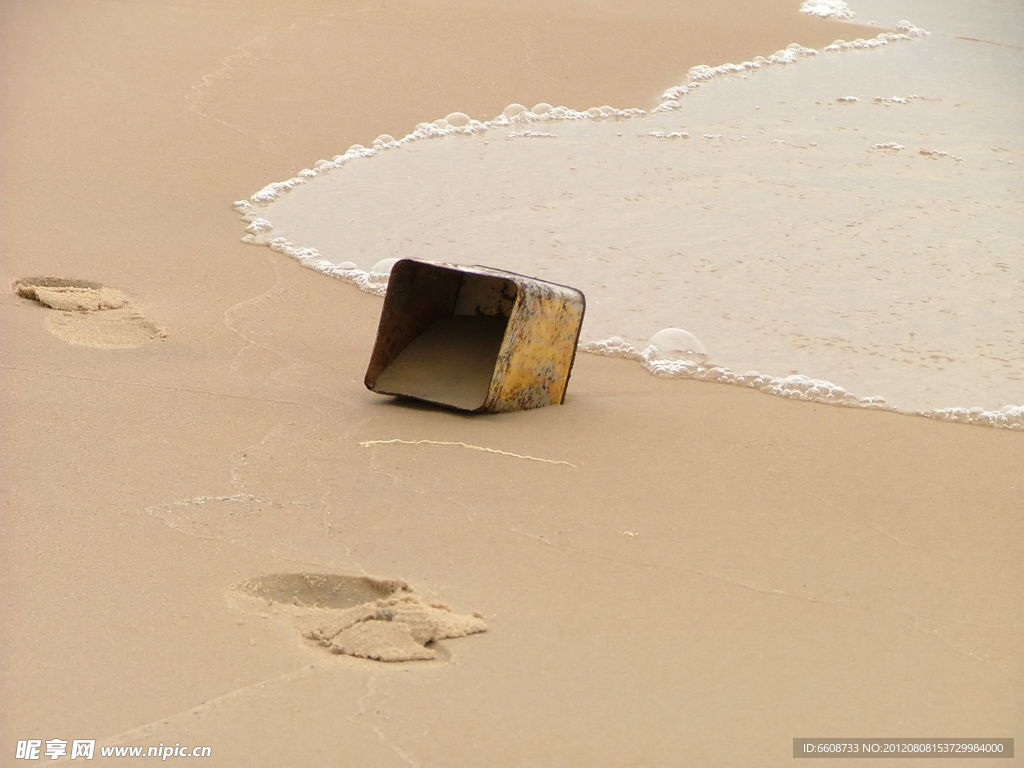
(446, 329)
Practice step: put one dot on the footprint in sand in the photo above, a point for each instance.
(89, 314)
(375, 619)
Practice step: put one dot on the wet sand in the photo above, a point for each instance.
(672, 573)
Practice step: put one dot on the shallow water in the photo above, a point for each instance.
(854, 217)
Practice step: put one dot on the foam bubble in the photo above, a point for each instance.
(532, 135)
(889, 101)
(259, 227)
(513, 110)
(613, 346)
(1009, 417)
(676, 344)
(383, 267)
(457, 119)
(907, 32)
(911, 30)
(828, 9)
(935, 154)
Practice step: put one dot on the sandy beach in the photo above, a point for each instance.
(671, 572)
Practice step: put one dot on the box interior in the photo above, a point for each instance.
(452, 360)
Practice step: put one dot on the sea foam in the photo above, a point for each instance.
(797, 233)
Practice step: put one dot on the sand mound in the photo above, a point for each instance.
(90, 314)
(375, 619)
(394, 629)
(70, 295)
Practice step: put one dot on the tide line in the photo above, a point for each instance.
(367, 443)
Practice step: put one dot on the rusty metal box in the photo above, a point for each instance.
(475, 338)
